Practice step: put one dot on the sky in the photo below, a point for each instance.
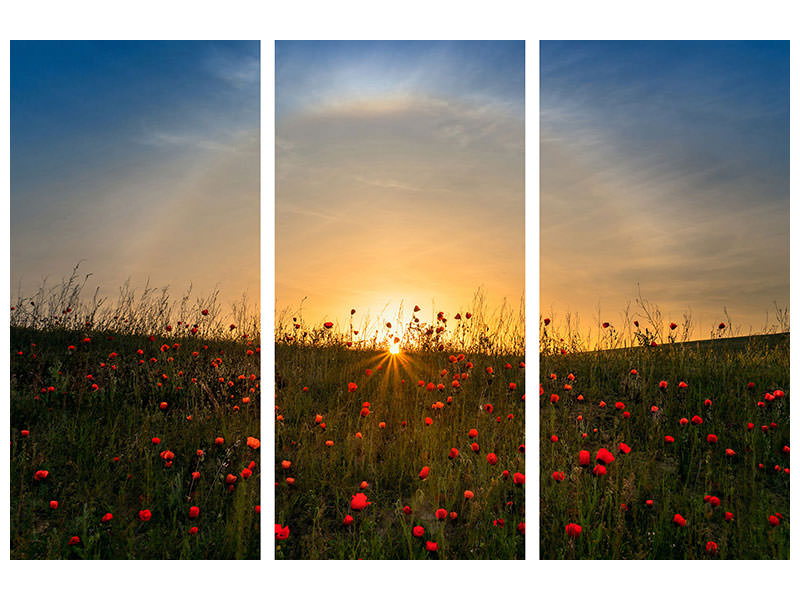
(140, 159)
(665, 168)
(399, 176)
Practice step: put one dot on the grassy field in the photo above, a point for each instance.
(353, 422)
(133, 446)
(698, 437)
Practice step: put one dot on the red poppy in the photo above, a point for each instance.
(407, 509)
(669, 439)
(599, 470)
(519, 479)
(193, 531)
(662, 385)
(144, 515)
(431, 546)
(491, 458)
(194, 512)
(41, 475)
(351, 387)
(54, 504)
(475, 447)
(624, 448)
(74, 540)
(348, 519)
(697, 420)
(441, 514)
(281, 533)
(359, 502)
(584, 458)
(711, 438)
(604, 456)
(424, 472)
(774, 521)
(418, 531)
(573, 530)
(106, 518)
(328, 325)
(558, 475)
(711, 547)
(728, 516)
(679, 520)
(453, 453)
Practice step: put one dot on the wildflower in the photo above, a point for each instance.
(407, 509)
(281, 533)
(491, 458)
(453, 453)
(144, 515)
(519, 479)
(468, 494)
(711, 547)
(253, 443)
(41, 475)
(106, 518)
(584, 458)
(359, 502)
(348, 519)
(54, 504)
(679, 520)
(74, 540)
(441, 514)
(573, 530)
(558, 475)
(418, 531)
(424, 472)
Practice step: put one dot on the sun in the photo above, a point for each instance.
(394, 348)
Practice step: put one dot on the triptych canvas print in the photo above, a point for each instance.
(396, 361)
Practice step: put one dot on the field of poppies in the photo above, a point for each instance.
(667, 450)
(133, 438)
(397, 451)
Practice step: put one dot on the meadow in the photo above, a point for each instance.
(657, 448)
(403, 445)
(134, 427)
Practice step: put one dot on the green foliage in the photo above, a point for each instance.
(97, 445)
(390, 459)
(675, 476)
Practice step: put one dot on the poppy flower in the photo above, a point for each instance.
(573, 530)
(673, 325)
(558, 475)
(679, 520)
(475, 447)
(624, 448)
(351, 387)
(649, 503)
(604, 456)
(662, 385)
(683, 385)
(697, 420)
(253, 443)
(506, 474)
(281, 533)
(468, 494)
(407, 509)
(441, 514)
(554, 438)
(431, 546)
(491, 458)
(729, 452)
(74, 540)
(364, 412)
(711, 548)
(669, 439)
(428, 421)
(554, 398)
(106, 518)
(774, 521)
(144, 515)
(606, 324)
(156, 441)
(424, 472)
(194, 512)
(230, 479)
(418, 531)
(711, 438)
(599, 471)
(41, 475)
(328, 325)
(193, 530)
(728, 516)
(348, 519)
(684, 421)
(54, 504)
(329, 443)
(359, 502)
(453, 453)
(519, 479)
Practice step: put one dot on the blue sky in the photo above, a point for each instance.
(141, 158)
(665, 164)
(399, 174)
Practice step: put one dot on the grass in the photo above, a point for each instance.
(684, 477)
(326, 448)
(87, 404)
